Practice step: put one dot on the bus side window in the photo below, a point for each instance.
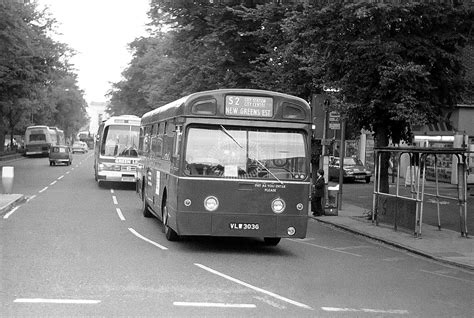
(156, 141)
(146, 141)
(140, 141)
(168, 140)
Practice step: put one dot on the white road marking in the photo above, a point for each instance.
(119, 212)
(220, 305)
(42, 190)
(324, 247)
(269, 302)
(11, 212)
(351, 247)
(266, 292)
(437, 273)
(145, 239)
(31, 198)
(57, 301)
(366, 310)
(68, 172)
(114, 198)
(111, 190)
(54, 182)
(61, 177)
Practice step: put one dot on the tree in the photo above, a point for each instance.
(206, 46)
(31, 66)
(395, 66)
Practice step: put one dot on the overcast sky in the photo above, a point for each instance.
(99, 30)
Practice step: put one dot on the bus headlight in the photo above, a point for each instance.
(211, 203)
(278, 206)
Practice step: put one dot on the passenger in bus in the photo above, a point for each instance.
(318, 193)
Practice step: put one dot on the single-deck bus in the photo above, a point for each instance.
(229, 162)
(39, 139)
(116, 149)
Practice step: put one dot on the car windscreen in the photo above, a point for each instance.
(237, 152)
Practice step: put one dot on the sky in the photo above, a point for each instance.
(99, 31)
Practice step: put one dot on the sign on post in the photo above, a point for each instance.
(334, 120)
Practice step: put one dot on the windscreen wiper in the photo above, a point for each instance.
(230, 136)
(263, 166)
(256, 160)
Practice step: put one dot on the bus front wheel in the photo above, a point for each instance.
(170, 234)
(271, 241)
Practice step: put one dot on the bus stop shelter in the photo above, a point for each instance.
(404, 207)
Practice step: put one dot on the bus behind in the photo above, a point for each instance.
(116, 149)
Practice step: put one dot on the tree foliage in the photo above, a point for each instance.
(33, 67)
(205, 46)
(394, 66)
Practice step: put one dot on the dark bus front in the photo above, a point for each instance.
(244, 181)
(229, 171)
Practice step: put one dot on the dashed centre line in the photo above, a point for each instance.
(114, 198)
(146, 239)
(57, 301)
(42, 190)
(119, 212)
(219, 305)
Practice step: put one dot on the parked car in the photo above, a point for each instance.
(60, 154)
(354, 169)
(79, 146)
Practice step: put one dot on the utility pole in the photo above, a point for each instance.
(342, 154)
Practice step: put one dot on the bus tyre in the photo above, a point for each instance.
(169, 232)
(271, 241)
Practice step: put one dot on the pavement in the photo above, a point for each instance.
(444, 245)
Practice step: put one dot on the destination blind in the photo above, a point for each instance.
(248, 106)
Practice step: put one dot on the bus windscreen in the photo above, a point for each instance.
(120, 140)
(37, 136)
(244, 153)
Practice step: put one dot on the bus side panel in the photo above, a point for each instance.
(171, 186)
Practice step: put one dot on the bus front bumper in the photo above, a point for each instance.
(118, 176)
(245, 225)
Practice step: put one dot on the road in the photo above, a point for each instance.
(75, 249)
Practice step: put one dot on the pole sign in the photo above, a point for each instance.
(334, 120)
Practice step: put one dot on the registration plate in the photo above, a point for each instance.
(128, 179)
(360, 177)
(244, 226)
